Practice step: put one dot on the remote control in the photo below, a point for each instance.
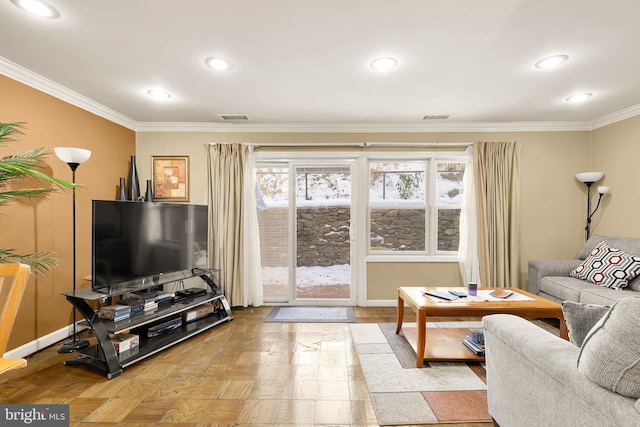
(441, 294)
(458, 294)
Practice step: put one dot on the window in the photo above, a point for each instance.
(414, 206)
(448, 204)
(305, 229)
(397, 214)
(405, 205)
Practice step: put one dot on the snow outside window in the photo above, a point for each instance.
(414, 206)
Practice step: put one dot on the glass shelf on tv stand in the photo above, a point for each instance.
(164, 310)
(99, 292)
(103, 355)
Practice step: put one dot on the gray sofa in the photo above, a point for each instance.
(550, 278)
(533, 381)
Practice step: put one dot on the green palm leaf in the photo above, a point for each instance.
(40, 262)
(21, 177)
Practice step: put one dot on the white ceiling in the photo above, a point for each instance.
(305, 62)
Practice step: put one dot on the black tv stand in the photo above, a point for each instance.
(103, 355)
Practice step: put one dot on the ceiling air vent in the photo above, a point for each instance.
(235, 117)
(442, 117)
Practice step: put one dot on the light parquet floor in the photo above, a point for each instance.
(243, 373)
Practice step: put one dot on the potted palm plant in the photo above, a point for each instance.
(21, 177)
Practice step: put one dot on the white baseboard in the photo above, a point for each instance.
(42, 342)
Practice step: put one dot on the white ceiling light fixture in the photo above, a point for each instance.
(551, 62)
(158, 94)
(218, 64)
(436, 117)
(231, 117)
(579, 97)
(37, 8)
(385, 63)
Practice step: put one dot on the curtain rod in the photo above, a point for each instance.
(356, 144)
(417, 144)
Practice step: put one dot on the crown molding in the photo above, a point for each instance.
(365, 127)
(185, 127)
(625, 113)
(29, 78)
(36, 81)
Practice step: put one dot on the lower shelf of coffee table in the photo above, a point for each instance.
(443, 344)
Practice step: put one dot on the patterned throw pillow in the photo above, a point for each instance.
(608, 267)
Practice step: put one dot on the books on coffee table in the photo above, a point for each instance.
(475, 342)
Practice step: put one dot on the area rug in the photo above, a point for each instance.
(441, 392)
(312, 315)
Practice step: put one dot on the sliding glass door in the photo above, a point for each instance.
(305, 232)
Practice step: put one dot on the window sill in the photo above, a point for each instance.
(396, 257)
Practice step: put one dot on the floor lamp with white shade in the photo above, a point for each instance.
(74, 157)
(588, 178)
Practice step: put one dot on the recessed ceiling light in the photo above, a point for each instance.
(551, 61)
(38, 8)
(383, 64)
(218, 64)
(233, 117)
(159, 94)
(579, 97)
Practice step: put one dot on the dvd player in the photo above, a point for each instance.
(188, 293)
(165, 327)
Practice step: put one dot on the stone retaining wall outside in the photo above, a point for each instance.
(323, 233)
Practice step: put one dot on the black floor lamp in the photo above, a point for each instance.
(589, 178)
(74, 157)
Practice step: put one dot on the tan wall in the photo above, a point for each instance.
(552, 202)
(385, 278)
(616, 150)
(47, 225)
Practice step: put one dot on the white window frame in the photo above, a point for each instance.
(360, 202)
(435, 207)
(360, 197)
(294, 159)
(431, 253)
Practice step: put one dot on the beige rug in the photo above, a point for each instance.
(443, 392)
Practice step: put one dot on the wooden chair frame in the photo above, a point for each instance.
(16, 276)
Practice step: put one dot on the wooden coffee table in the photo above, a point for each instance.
(445, 344)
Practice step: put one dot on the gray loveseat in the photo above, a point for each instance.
(533, 380)
(550, 278)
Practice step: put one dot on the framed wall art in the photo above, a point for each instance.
(170, 178)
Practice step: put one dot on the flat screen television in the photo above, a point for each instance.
(133, 242)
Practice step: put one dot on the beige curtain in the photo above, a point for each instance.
(468, 247)
(233, 227)
(497, 181)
